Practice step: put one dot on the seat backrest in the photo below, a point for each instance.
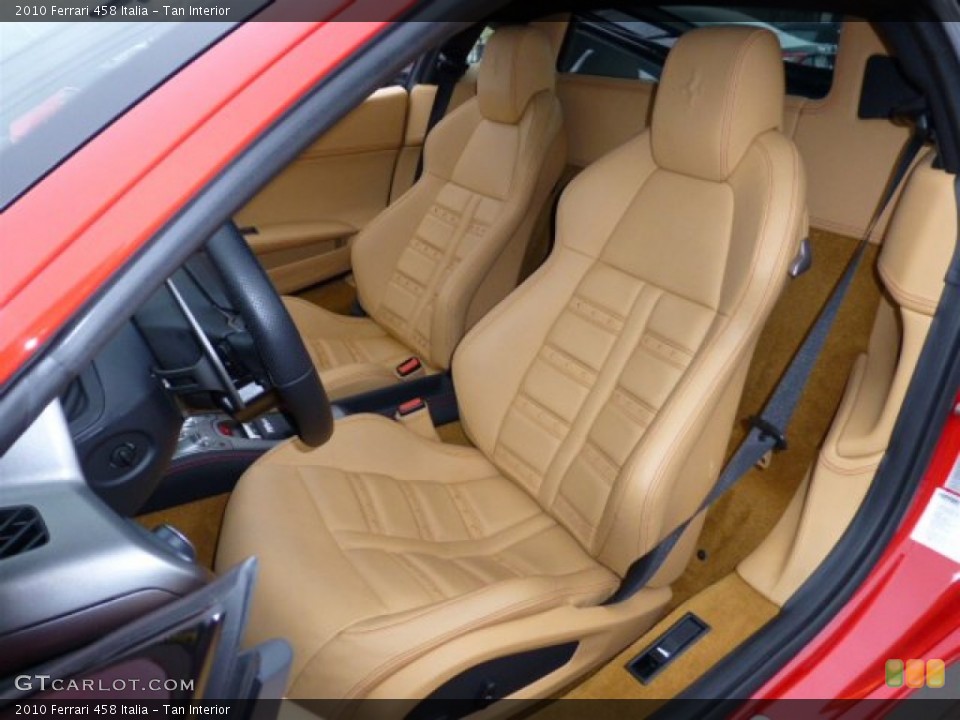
(606, 385)
(450, 248)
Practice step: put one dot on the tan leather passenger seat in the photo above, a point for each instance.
(393, 563)
(434, 262)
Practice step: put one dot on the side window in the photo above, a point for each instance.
(612, 43)
(476, 53)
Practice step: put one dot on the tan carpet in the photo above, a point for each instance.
(732, 609)
(453, 434)
(739, 522)
(336, 296)
(200, 521)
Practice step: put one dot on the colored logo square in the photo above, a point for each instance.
(936, 673)
(894, 673)
(914, 673)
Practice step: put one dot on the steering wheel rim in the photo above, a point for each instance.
(285, 358)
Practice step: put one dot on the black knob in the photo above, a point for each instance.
(124, 455)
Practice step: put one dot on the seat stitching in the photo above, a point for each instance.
(610, 465)
(343, 553)
(418, 575)
(655, 286)
(525, 409)
(478, 623)
(670, 341)
(415, 509)
(367, 507)
(495, 539)
(657, 478)
(550, 349)
(466, 512)
(473, 573)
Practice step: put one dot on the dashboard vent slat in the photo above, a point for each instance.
(21, 529)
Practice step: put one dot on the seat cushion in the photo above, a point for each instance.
(353, 354)
(368, 559)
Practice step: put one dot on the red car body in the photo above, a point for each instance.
(118, 190)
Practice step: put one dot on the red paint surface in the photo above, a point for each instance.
(906, 609)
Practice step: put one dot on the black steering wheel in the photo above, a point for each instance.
(296, 386)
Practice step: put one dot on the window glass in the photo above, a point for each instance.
(476, 53)
(617, 44)
(64, 82)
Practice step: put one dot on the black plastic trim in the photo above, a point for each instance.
(658, 655)
(484, 684)
(436, 390)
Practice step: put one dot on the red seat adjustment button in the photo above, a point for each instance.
(410, 406)
(408, 367)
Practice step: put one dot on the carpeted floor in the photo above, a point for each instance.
(335, 295)
(731, 608)
(453, 434)
(200, 521)
(737, 524)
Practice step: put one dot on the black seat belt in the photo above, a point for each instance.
(768, 428)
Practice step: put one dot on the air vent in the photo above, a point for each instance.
(21, 529)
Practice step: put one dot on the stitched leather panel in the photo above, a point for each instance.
(456, 222)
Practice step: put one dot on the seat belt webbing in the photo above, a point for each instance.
(767, 430)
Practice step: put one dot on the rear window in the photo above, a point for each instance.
(613, 43)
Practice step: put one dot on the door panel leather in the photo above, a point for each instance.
(306, 216)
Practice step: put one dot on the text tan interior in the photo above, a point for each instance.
(620, 369)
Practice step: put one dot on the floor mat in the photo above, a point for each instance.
(453, 434)
(731, 608)
(737, 524)
(337, 296)
(200, 521)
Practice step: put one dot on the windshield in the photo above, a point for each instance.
(44, 65)
(61, 83)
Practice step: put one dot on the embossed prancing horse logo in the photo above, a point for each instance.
(693, 87)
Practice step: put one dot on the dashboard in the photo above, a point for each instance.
(183, 376)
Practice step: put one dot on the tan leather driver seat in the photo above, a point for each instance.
(600, 396)
(434, 262)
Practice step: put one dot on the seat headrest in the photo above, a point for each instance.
(517, 64)
(721, 88)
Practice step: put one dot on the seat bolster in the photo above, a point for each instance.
(352, 354)
(589, 211)
(345, 381)
(536, 170)
(314, 321)
(684, 443)
(350, 450)
(364, 655)
(376, 250)
(350, 630)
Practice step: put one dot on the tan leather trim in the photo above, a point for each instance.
(700, 82)
(918, 247)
